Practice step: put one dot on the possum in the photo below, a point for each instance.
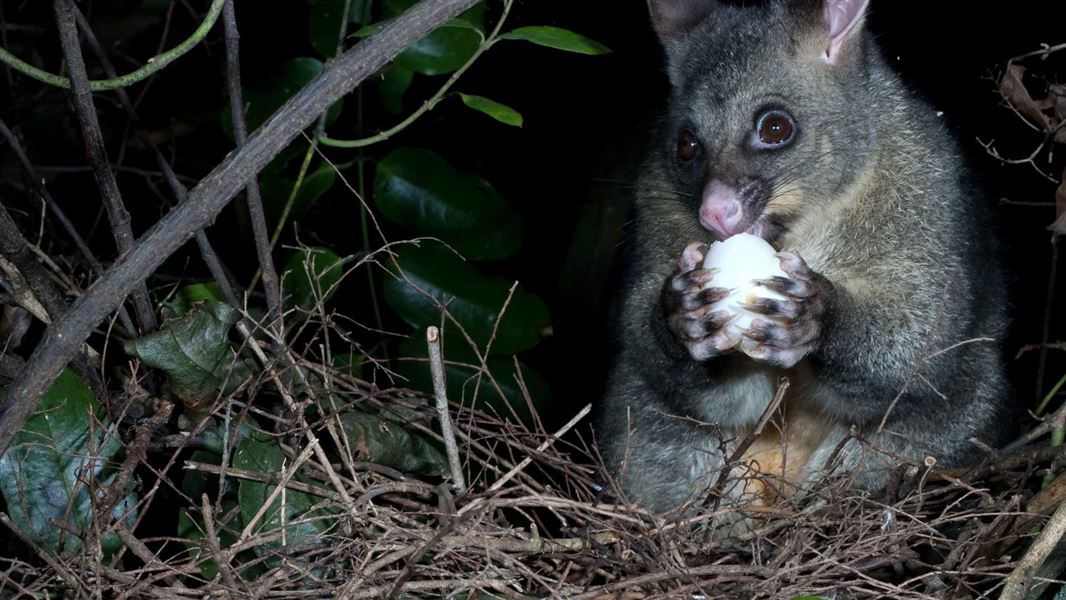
(785, 121)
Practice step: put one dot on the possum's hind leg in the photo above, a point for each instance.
(660, 460)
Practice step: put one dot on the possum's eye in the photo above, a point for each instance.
(774, 128)
(688, 147)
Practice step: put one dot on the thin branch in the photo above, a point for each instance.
(16, 248)
(207, 251)
(96, 152)
(440, 392)
(271, 286)
(340, 76)
(36, 181)
(1018, 582)
(153, 66)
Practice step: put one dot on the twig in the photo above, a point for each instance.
(96, 153)
(436, 367)
(253, 198)
(65, 336)
(154, 65)
(273, 479)
(1055, 419)
(207, 252)
(16, 248)
(509, 475)
(36, 181)
(432, 102)
(782, 388)
(1049, 312)
(211, 536)
(1018, 582)
(681, 573)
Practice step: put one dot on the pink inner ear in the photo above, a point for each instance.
(842, 15)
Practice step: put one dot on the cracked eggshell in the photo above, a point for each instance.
(740, 260)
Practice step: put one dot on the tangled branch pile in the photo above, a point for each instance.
(533, 522)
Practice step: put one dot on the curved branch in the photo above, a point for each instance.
(65, 336)
(154, 65)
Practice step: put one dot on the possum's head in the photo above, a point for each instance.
(768, 112)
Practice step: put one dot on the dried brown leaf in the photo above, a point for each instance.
(1013, 90)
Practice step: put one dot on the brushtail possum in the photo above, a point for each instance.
(785, 122)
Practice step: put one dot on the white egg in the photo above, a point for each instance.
(741, 260)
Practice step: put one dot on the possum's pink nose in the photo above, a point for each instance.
(721, 212)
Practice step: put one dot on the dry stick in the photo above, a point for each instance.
(207, 252)
(36, 181)
(509, 475)
(1052, 421)
(1017, 584)
(224, 566)
(748, 570)
(255, 203)
(68, 576)
(340, 76)
(1049, 311)
(436, 367)
(16, 248)
(782, 388)
(274, 479)
(96, 152)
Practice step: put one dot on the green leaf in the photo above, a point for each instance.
(310, 276)
(501, 112)
(392, 87)
(194, 351)
(325, 24)
(560, 39)
(445, 49)
(472, 299)
(191, 294)
(349, 364)
(43, 474)
(418, 189)
(461, 374)
(301, 515)
(384, 441)
(261, 102)
(276, 190)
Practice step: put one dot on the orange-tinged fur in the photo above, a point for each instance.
(777, 462)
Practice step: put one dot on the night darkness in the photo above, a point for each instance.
(569, 168)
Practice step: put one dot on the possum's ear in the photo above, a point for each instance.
(672, 19)
(844, 20)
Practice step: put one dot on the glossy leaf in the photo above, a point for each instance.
(418, 189)
(461, 377)
(276, 190)
(289, 78)
(555, 37)
(445, 49)
(194, 351)
(393, 85)
(472, 299)
(311, 276)
(191, 294)
(43, 474)
(378, 439)
(349, 364)
(325, 22)
(501, 112)
(303, 522)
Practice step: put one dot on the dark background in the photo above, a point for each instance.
(569, 168)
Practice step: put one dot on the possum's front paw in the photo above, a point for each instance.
(687, 303)
(796, 328)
